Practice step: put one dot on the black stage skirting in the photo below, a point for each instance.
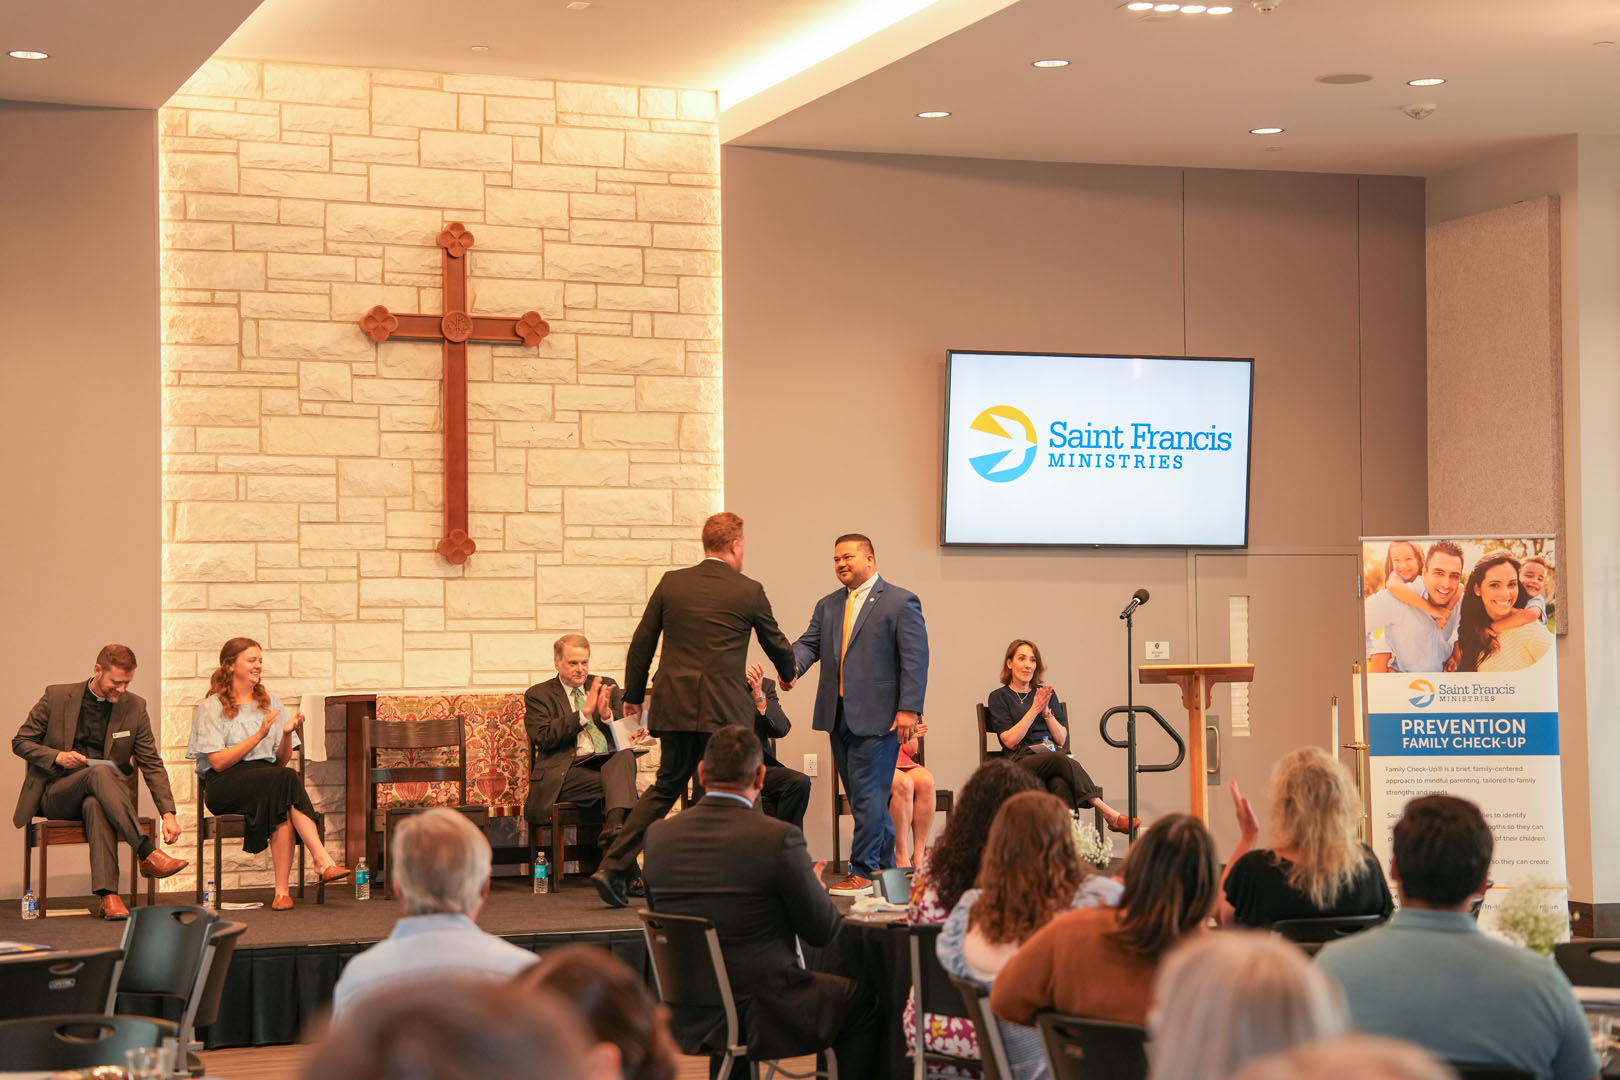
(287, 962)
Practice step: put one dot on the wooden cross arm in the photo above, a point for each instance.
(380, 324)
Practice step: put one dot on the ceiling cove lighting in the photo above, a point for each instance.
(28, 54)
(1266, 131)
(1431, 81)
(1165, 9)
(1139, 5)
(934, 114)
(1220, 9)
(1049, 63)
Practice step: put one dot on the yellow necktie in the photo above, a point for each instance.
(850, 610)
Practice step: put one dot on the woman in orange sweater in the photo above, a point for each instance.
(1100, 962)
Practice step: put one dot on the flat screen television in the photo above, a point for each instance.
(1096, 451)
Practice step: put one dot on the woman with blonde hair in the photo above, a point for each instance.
(241, 742)
(1317, 866)
(1031, 872)
(1223, 1000)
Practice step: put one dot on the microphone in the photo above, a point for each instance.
(1138, 598)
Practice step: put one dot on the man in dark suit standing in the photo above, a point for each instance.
(872, 643)
(99, 720)
(751, 876)
(574, 759)
(705, 614)
(785, 795)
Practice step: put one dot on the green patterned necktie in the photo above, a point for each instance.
(598, 740)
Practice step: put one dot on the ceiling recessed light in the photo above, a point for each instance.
(578, 5)
(1431, 81)
(480, 48)
(1344, 78)
(1600, 44)
(1193, 9)
(28, 54)
(1049, 63)
(1266, 131)
(1220, 9)
(1166, 7)
(934, 114)
(1139, 5)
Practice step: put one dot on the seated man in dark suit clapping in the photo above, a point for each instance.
(568, 720)
(786, 794)
(752, 877)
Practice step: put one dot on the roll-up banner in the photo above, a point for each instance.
(1462, 693)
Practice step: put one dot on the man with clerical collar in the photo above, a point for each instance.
(80, 741)
(569, 720)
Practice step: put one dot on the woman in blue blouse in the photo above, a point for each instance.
(241, 744)
(1034, 729)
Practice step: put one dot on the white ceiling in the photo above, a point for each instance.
(1177, 90)
(1185, 90)
(110, 52)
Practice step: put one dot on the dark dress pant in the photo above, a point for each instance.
(680, 752)
(99, 796)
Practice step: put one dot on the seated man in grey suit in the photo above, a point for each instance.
(751, 876)
(83, 742)
(786, 794)
(574, 757)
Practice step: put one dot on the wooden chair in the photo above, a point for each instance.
(944, 802)
(1082, 1049)
(991, 746)
(45, 833)
(436, 733)
(1591, 962)
(690, 971)
(217, 827)
(564, 815)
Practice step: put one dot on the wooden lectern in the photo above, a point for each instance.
(1197, 682)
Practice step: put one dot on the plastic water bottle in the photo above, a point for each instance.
(30, 905)
(211, 897)
(542, 874)
(362, 881)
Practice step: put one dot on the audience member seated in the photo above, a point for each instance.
(440, 875)
(1317, 866)
(616, 1004)
(1034, 728)
(568, 720)
(949, 869)
(1351, 1057)
(787, 791)
(100, 721)
(1223, 1000)
(242, 741)
(459, 1030)
(1432, 977)
(752, 877)
(1099, 962)
(1032, 871)
(911, 803)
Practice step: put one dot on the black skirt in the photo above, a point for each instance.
(263, 793)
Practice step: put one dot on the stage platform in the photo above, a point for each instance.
(287, 962)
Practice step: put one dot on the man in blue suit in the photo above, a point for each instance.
(873, 646)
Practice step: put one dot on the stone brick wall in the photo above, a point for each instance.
(303, 463)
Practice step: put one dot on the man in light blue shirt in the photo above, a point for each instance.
(439, 867)
(1431, 977)
(1401, 637)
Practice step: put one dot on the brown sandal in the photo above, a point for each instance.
(1122, 824)
(333, 873)
(281, 903)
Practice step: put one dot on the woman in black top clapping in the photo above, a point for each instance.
(1034, 728)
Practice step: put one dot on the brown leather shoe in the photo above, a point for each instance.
(334, 873)
(112, 908)
(853, 885)
(281, 903)
(159, 865)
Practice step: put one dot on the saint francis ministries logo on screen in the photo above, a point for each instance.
(1004, 445)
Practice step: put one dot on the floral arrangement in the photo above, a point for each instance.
(1091, 846)
(1527, 919)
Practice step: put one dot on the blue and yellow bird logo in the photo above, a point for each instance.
(1008, 424)
(1424, 693)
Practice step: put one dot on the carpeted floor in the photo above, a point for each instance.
(512, 909)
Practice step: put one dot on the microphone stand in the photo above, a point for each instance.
(1130, 727)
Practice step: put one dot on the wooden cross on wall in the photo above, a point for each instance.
(455, 328)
